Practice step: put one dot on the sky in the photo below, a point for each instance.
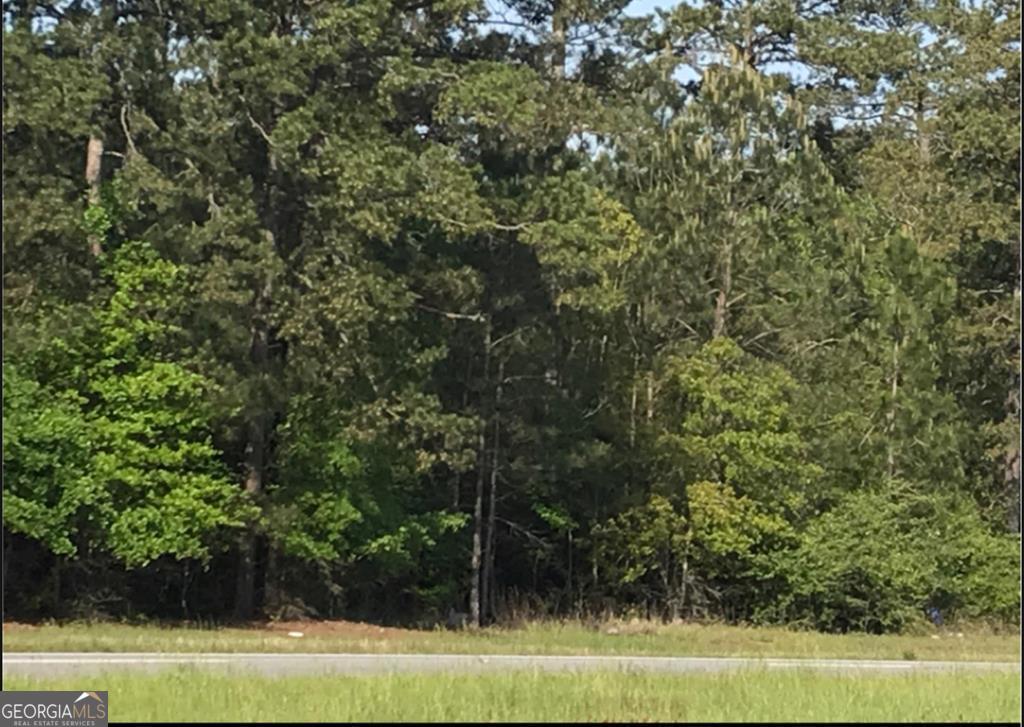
(647, 7)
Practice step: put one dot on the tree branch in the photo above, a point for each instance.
(454, 316)
(263, 132)
(124, 127)
(489, 225)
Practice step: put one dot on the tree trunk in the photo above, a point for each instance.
(55, 593)
(633, 403)
(748, 55)
(186, 577)
(93, 173)
(559, 28)
(255, 462)
(7, 543)
(273, 599)
(724, 290)
(569, 557)
(488, 581)
(245, 587)
(478, 517)
(650, 398)
(478, 504)
(686, 576)
(923, 140)
(457, 480)
(891, 416)
(1011, 471)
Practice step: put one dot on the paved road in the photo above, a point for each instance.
(54, 664)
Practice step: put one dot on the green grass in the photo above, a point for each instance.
(538, 638)
(188, 694)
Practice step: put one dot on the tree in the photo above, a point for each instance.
(164, 490)
(876, 562)
(737, 462)
(112, 451)
(527, 304)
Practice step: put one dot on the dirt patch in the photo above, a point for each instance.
(349, 629)
(10, 626)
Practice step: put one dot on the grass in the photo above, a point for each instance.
(188, 695)
(538, 638)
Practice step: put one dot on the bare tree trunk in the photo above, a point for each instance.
(569, 556)
(186, 577)
(633, 402)
(923, 139)
(488, 581)
(273, 599)
(724, 290)
(478, 517)
(255, 462)
(650, 397)
(559, 28)
(1011, 471)
(245, 586)
(1011, 467)
(55, 593)
(7, 544)
(478, 505)
(457, 480)
(891, 416)
(93, 174)
(686, 575)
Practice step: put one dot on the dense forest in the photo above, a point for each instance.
(380, 308)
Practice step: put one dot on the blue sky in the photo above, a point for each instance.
(646, 7)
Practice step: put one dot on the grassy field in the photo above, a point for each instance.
(790, 696)
(539, 638)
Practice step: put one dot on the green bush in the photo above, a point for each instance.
(879, 559)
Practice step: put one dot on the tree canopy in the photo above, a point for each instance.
(383, 308)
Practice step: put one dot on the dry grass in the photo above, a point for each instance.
(611, 637)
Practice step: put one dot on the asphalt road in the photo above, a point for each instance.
(57, 664)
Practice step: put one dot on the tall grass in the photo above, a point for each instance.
(189, 694)
(624, 638)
